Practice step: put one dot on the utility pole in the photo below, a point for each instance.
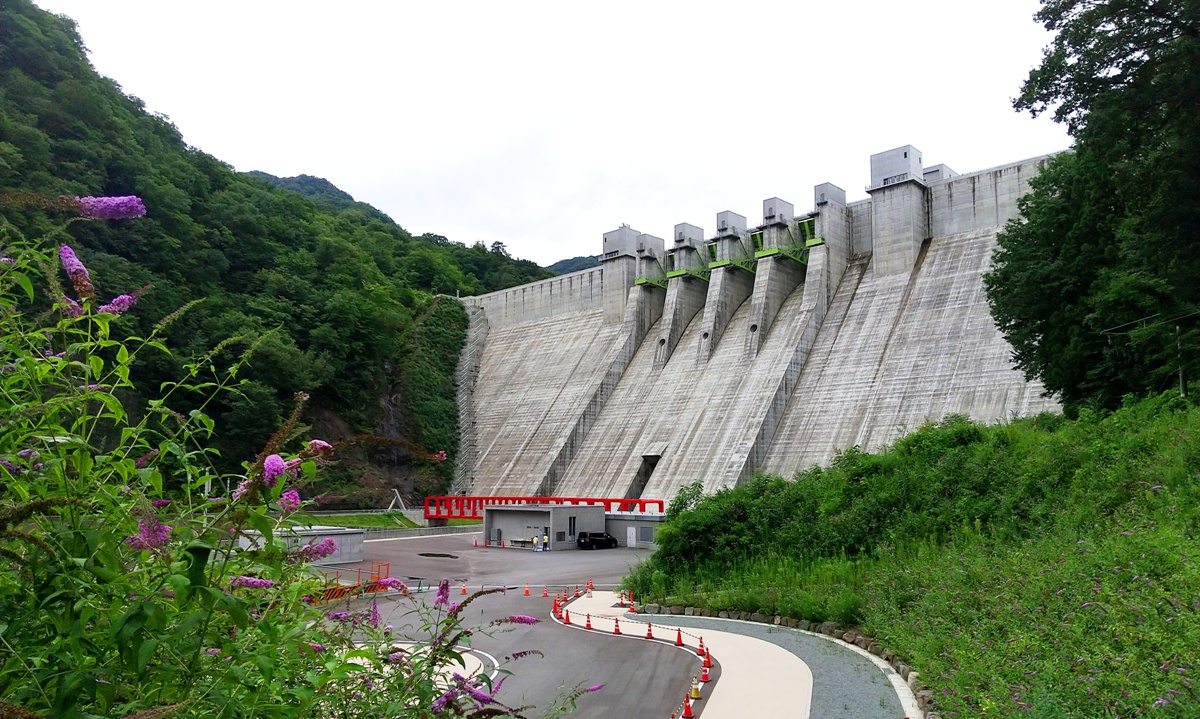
(1179, 354)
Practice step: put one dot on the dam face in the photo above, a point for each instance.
(770, 347)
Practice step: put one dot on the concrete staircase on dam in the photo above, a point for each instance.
(766, 348)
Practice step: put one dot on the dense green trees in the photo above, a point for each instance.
(325, 294)
(575, 264)
(1097, 286)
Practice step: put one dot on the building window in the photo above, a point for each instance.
(560, 536)
(645, 534)
(571, 526)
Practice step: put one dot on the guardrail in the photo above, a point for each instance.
(466, 507)
(370, 533)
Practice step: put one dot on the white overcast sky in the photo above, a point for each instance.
(544, 125)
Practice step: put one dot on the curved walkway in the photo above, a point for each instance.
(771, 671)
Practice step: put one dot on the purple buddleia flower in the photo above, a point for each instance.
(518, 619)
(242, 488)
(594, 688)
(273, 469)
(28, 454)
(338, 616)
(110, 208)
(145, 458)
(443, 702)
(312, 552)
(443, 593)
(13, 469)
(71, 308)
(7, 261)
(374, 617)
(480, 696)
(152, 534)
(397, 657)
(317, 448)
(160, 503)
(290, 500)
(393, 583)
(213, 652)
(250, 583)
(76, 272)
(318, 648)
(119, 305)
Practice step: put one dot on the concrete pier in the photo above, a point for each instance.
(728, 288)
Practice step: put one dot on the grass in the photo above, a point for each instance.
(390, 520)
(1039, 568)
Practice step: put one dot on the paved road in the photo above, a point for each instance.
(642, 679)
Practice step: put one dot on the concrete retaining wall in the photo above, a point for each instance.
(404, 532)
(576, 292)
(348, 539)
(981, 199)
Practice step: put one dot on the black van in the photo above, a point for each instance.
(595, 540)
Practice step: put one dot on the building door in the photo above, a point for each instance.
(570, 529)
(631, 536)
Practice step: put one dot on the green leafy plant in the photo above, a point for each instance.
(128, 588)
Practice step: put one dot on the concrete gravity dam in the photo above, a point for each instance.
(767, 346)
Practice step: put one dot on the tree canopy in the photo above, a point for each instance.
(1097, 285)
(325, 294)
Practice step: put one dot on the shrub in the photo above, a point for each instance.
(126, 586)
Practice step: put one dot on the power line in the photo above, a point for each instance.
(1110, 330)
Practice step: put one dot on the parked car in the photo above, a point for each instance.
(595, 540)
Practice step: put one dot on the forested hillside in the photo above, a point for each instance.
(327, 295)
(575, 264)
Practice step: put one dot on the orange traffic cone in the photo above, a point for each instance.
(566, 616)
(589, 584)
(589, 622)
(621, 599)
(577, 591)
(701, 651)
(527, 589)
(679, 637)
(704, 675)
(649, 631)
(616, 626)
(687, 708)
(555, 609)
(476, 541)
(707, 660)
(545, 591)
(464, 589)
